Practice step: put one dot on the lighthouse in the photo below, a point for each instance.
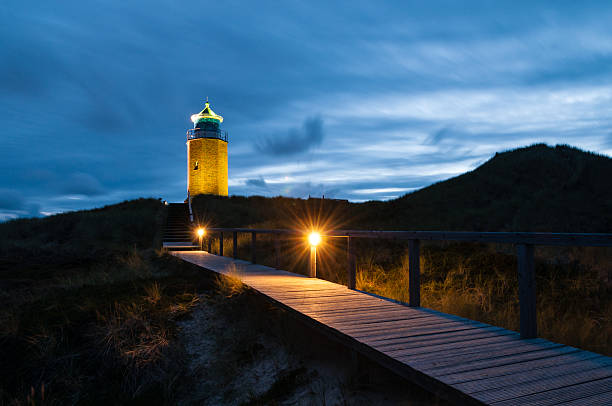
(206, 155)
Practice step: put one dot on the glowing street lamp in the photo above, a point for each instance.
(201, 231)
(314, 239)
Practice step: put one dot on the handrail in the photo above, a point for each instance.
(533, 238)
(524, 242)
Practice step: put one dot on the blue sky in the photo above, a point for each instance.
(358, 100)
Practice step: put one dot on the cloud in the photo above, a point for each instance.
(11, 200)
(82, 184)
(297, 141)
(13, 205)
(33, 210)
(261, 182)
(436, 137)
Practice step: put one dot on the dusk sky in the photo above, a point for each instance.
(354, 100)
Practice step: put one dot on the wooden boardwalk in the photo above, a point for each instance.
(464, 361)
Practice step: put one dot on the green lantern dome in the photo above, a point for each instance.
(206, 115)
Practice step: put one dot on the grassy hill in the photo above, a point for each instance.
(537, 188)
(89, 307)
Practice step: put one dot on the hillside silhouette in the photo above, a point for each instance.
(535, 188)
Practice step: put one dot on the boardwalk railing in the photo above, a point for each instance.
(524, 243)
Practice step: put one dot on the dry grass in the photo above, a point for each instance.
(478, 282)
(126, 330)
(87, 320)
(230, 284)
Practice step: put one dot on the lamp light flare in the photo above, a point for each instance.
(201, 232)
(314, 238)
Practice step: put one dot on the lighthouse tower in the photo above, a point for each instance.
(206, 155)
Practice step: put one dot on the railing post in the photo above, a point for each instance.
(235, 244)
(414, 273)
(351, 269)
(277, 250)
(312, 271)
(210, 245)
(253, 247)
(527, 291)
(221, 243)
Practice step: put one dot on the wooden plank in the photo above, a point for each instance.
(391, 325)
(400, 313)
(470, 354)
(417, 333)
(325, 296)
(320, 300)
(346, 310)
(311, 295)
(602, 399)
(496, 361)
(534, 374)
(397, 328)
(341, 308)
(333, 300)
(416, 313)
(371, 320)
(365, 318)
(541, 385)
(519, 367)
(453, 347)
(312, 299)
(320, 309)
(561, 395)
(282, 289)
(279, 284)
(445, 338)
(377, 335)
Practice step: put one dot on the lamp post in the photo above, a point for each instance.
(201, 232)
(314, 239)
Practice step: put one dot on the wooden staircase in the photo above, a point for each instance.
(178, 234)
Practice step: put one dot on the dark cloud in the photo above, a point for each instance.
(82, 184)
(11, 200)
(260, 183)
(13, 205)
(436, 137)
(297, 141)
(32, 210)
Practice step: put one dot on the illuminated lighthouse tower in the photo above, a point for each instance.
(206, 155)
